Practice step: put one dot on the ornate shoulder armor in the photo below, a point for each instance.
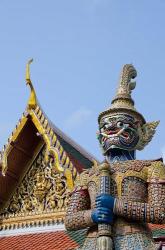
(156, 172)
(82, 180)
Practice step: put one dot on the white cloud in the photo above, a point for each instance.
(77, 118)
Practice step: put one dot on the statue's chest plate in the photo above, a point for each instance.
(134, 189)
(128, 179)
(129, 182)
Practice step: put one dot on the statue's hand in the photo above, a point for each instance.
(102, 215)
(105, 200)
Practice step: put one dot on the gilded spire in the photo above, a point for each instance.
(122, 101)
(32, 99)
(126, 85)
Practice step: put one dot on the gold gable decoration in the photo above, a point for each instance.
(42, 189)
(54, 153)
(41, 198)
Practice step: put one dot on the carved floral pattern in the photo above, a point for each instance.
(41, 189)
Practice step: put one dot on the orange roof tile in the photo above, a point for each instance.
(156, 226)
(58, 240)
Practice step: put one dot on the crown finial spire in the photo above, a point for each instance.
(123, 101)
(126, 85)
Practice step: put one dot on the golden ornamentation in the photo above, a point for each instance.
(123, 103)
(54, 154)
(10, 221)
(7, 148)
(33, 99)
(156, 172)
(126, 85)
(146, 132)
(95, 164)
(42, 189)
(118, 177)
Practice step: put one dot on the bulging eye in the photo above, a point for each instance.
(120, 124)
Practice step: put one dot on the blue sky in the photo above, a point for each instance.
(79, 47)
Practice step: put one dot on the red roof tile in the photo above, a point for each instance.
(59, 240)
(156, 226)
(40, 241)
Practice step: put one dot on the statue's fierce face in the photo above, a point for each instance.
(118, 131)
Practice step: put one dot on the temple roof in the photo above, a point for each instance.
(33, 131)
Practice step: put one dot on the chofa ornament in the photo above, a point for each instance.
(116, 204)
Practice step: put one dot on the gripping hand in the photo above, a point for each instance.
(102, 215)
(105, 201)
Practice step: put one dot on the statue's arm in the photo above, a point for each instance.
(154, 210)
(78, 214)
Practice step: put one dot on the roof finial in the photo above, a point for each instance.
(28, 71)
(32, 99)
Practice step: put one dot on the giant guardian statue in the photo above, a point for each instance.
(116, 199)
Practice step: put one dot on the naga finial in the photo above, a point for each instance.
(28, 80)
(32, 99)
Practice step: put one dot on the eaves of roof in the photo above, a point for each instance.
(59, 240)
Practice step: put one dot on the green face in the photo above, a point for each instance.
(118, 131)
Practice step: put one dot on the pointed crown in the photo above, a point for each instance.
(123, 103)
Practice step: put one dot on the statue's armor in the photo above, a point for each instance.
(139, 189)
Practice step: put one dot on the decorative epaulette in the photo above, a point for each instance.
(156, 172)
(81, 181)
